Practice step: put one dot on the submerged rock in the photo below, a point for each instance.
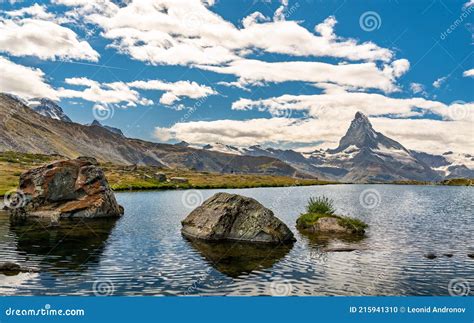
(340, 249)
(13, 269)
(430, 255)
(330, 224)
(234, 217)
(65, 189)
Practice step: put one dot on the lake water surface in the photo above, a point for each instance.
(143, 253)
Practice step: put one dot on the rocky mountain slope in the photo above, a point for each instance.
(363, 154)
(23, 131)
(96, 123)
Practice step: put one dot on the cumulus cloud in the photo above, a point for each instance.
(31, 31)
(417, 88)
(179, 32)
(24, 81)
(328, 116)
(36, 11)
(469, 73)
(412, 133)
(174, 91)
(340, 104)
(437, 84)
(362, 75)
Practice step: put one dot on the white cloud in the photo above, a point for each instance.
(468, 73)
(107, 93)
(337, 103)
(437, 84)
(24, 81)
(36, 11)
(254, 18)
(417, 88)
(188, 32)
(31, 31)
(419, 134)
(174, 91)
(362, 75)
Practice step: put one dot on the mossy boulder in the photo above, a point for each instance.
(234, 217)
(330, 223)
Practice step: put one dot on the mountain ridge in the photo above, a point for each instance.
(23, 131)
(363, 154)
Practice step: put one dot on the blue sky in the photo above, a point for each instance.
(287, 83)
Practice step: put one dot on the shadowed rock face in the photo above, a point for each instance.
(233, 217)
(66, 189)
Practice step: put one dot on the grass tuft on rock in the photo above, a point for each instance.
(321, 207)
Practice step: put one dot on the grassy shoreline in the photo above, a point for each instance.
(139, 178)
(143, 178)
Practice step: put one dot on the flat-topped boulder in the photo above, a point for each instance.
(227, 216)
(65, 189)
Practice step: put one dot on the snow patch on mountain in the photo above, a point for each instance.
(48, 108)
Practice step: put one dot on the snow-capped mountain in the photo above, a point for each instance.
(449, 164)
(111, 129)
(228, 149)
(365, 155)
(48, 108)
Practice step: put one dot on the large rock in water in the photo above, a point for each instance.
(233, 217)
(66, 189)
